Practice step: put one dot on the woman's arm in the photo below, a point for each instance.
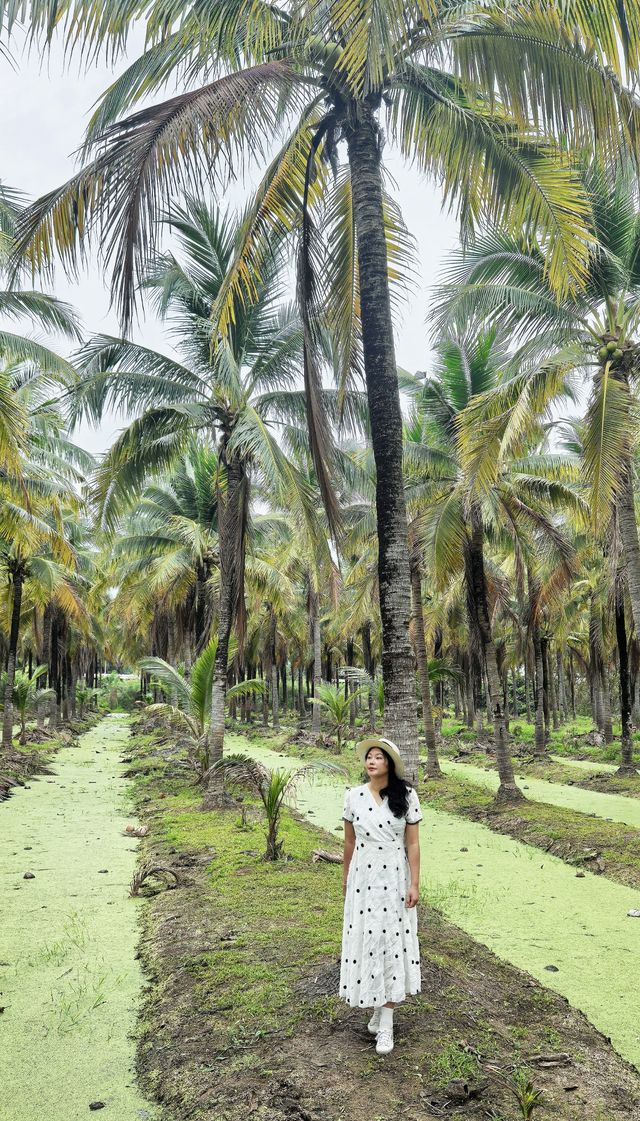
(412, 845)
(349, 845)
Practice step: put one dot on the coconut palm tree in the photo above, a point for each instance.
(593, 333)
(445, 80)
(164, 557)
(35, 545)
(240, 393)
(457, 516)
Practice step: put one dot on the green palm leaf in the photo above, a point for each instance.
(606, 440)
(172, 682)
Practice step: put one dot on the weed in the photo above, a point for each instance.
(526, 1094)
(453, 1061)
(552, 1037)
(326, 1008)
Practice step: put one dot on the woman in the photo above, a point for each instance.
(380, 961)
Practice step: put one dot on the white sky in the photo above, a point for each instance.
(45, 111)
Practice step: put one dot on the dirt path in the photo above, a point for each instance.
(614, 807)
(526, 906)
(69, 980)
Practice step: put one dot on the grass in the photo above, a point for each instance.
(451, 1061)
(262, 910)
(567, 740)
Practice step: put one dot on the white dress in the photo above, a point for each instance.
(380, 955)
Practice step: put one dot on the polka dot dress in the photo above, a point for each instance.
(380, 955)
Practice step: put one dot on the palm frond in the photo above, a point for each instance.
(202, 681)
(608, 432)
(170, 680)
(148, 446)
(492, 172)
(140, 161)
(46, 311)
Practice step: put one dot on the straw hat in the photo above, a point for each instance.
(385, 745)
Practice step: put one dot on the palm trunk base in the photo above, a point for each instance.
(627, 770)
(508, 792)
(215, 795)
(433, 769)
(217, 798)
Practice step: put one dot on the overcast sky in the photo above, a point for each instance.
(45, 111)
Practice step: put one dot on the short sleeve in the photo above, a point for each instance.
(347, 812)
(414, 813)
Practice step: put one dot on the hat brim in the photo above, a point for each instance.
(384, 745)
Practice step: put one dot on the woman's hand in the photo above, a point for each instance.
(413, 895)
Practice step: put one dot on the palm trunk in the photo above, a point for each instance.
(316, 718)
(468, 685)
(54, 672)
(433, 766)
(596, 702)
(7, 722)
(73, 681)
(301, 705)
(385, 415)
(626, 763)
(478, 602)
(540, 746)
(231, 521)
(562, 691)
(553, 695)
(275, 711)
(607, 722)
(367, 658)
(595, 659)
(545, 690)
(350, 686)
(44, 660)
(629, 533)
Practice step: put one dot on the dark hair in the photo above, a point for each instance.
(397, 790)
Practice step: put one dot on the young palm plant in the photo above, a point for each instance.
(84, 697)
(190, 710)
(274, 788)
(26, 695)
(337, 705)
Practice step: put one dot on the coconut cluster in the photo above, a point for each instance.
(623, 354)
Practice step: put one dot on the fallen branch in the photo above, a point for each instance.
(152, 870)
(330, 857)
(561, 1059)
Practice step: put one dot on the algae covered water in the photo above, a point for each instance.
(615, 807)
(526, 906)
(69, 979)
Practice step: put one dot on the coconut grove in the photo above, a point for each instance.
(316, 627)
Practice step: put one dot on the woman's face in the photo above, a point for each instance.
(376, 763)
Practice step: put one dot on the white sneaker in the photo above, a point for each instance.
(384, 1041)
(373, 1027)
